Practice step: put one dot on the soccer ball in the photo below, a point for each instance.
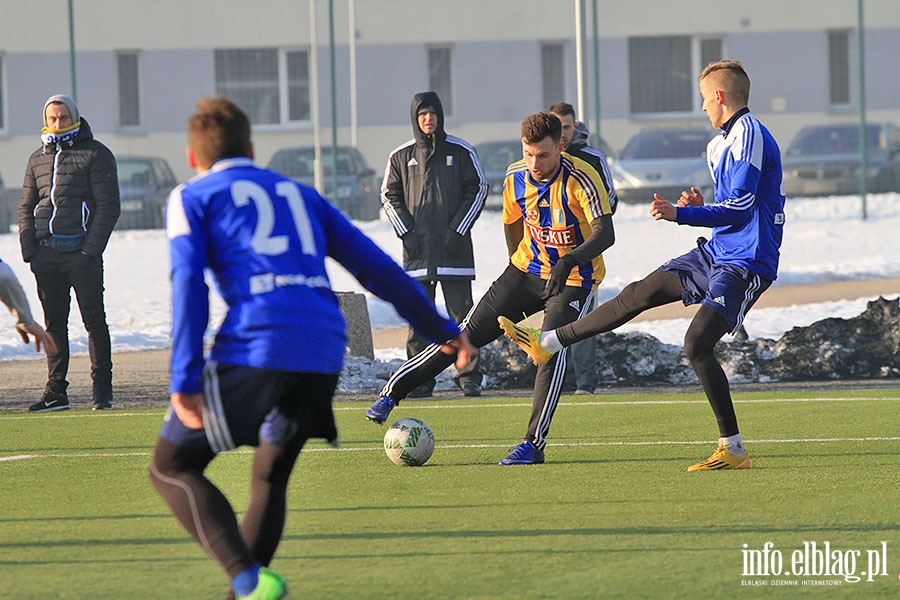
(409, 442)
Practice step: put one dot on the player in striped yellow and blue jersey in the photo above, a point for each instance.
(557, 216)
(557, 222)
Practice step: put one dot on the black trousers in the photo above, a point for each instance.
(57, 273)
(512, 295)
(458, 299)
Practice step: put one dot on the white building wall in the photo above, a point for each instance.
(496, 45)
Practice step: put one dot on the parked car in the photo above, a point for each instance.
(358, 194)
(662, 161)
(144, 185)
(495, 156)
(823, 160)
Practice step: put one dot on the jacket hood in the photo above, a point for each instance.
(63, 99)
(580, 137)
(427, 99)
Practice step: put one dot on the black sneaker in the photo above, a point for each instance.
(471, 389)
(50, 401)
(102, 404)
(102, 397)
(423, 391)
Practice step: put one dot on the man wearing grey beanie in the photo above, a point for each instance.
(70, 204)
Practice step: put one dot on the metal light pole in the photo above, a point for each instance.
(334, 125)
(863, 153)
(595, 24)
(579, 55)
(72, 51)
(314, 95)
(353, 103)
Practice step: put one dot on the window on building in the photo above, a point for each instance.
(440, 71)
(839, 67)
(270, 85)
(663, 71)
(552, 74)
(129, 89)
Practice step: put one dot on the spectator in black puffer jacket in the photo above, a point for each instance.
(433, 191)
(70, 204)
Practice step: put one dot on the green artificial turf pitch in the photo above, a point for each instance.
(613, 513)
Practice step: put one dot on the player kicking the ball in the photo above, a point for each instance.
(557, 221)
(264, 237)
(726, 274)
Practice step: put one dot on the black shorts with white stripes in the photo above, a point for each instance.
(244, 404)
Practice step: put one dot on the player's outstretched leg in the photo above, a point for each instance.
(381, 409)
(527, 339)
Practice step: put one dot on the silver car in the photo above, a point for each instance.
(664, 162)
(358, 192)
(823, 160)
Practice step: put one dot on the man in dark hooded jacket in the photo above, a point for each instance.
(70, 204)
(433, 191)
(575, 136)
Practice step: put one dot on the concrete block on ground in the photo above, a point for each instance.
(359, 328)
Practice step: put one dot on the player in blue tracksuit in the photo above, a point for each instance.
(270, 375)
(726, 274)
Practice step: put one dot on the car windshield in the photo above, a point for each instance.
(137, 173)
(299, 162)
(498, 156)
(839, 139)
(666, 144)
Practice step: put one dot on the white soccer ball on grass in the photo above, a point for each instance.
(409, 442)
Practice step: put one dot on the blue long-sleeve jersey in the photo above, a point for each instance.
(748, 214)
(264, 238)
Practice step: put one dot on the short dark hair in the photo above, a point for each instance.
(731, 76)
(541, 125)
(563, 109)
(218, 129)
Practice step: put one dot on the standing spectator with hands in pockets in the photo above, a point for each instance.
(433, 191)
(69, 207)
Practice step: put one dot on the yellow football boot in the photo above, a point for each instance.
(527, 339)
(721, 459)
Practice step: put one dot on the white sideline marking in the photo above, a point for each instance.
(85, 414)
(18, 457)
(479, 446)
(452, 404)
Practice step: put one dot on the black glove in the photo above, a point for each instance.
(558, 275)
(411, 245)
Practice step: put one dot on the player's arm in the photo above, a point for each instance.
(602, 237)
(512, 217)
(190, 294)
(514, 232)
(737, 207)
(379, 274)
(13, 296)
